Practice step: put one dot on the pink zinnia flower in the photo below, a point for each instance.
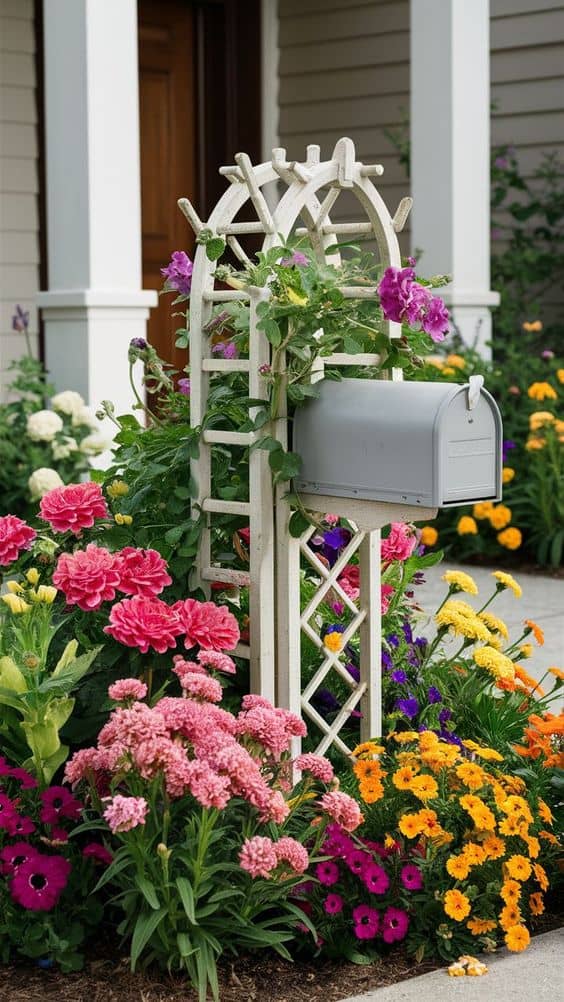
(289, 850)
(15, 536)
(400, 543)
(342, 809)
(366, 921)
(327, 873)
(58, 802)
(317, 765)
(127, 688)
(97, 852)
(125, 813)
(202, 687)
(411, 877)
(217, 661)
(395, 923)
(14, 855)
(142, 572)
(375, 878)
(258, 856)
(38, 883)
(144, 622)
(88, 577)
(211, 626)
(333, 904)
(74, 507)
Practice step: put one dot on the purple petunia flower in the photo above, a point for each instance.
(184, 386)
(353, 671)
(399, 676)
(409, 707)
(407, 632)
(411, 878)
(502, 163)
(433, 695)
(325, 701)
(507, 446)
(393, 640)
(387, 662)
(444, 715)
(178, 273)
(435, 320)
(333, 904)
(421, 642)
(295, 260)
(336, 538)
(404, 300)
(357, 860)
(139, 343)
(412, 658)
(226, 349)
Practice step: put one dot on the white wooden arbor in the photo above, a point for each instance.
(276, 620)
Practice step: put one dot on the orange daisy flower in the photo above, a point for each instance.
(536, 631)
(456, 905)
(510, 892)
(517, 938)
(510, 915)
(478, 926)
(518, 867)
(540, 876)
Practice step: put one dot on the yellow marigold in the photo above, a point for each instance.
(368, 748)
(449, 370)
(486, 753)
(517, 938)
(403, 777)
(557, 672)
(456, 905)
(474, 853)
(473, 776)
(494, 847)
(410, 825)
(526, 650)
(534, 443)
(510, 826)
(460, 581)
(424, 787)
(371, 791)
(540, 876)
(507, 474)
(457, 361)
(458, 867)
(494, 623)
(118, 489)
(507, 581)
(429, 535)
(518, 807)
(539, 419)
(536, 903)
(514, 784)
(478, 926)
(560, 375)
(333, 641)
(510, 892)
(462, 624)
(500, 516)
(533, 845)
(467, 526)
(509, 916)
(404, 737)
(480, 813)
(535, 629)
(482, 509)
(544, 812)
(498, 664)
(518, 867)
(542, 391)
(367, 769)
(428, 741)
(532, 326)
(430, 824)
(510, 538)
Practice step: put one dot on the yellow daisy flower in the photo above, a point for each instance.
(507, 581)
(460, 581)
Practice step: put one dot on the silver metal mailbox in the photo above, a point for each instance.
(429, 444)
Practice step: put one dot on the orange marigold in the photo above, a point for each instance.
(494, 847)
(540, 876)
(536, 903)
(424, 787)
(510, 915)
(473, 776)
(510, 892)
(479, 926)
(518, 867)
(410, 825)
(458, 867)
(402, 778)
(535, 629)
(456, 905)
(517, 938)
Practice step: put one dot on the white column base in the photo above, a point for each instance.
(471, 317)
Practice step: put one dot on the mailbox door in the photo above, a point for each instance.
(470, 450)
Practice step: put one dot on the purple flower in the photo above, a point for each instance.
(421, 642)
(357, 860)
(444, 716)
(496, 233)
(502, 163)
(327, 873)
(375, 878)
(435, 320)
(184, 386)
(296, 259)
(325, 702)
(333, 904)
(418, 578)
(353, 670)
(387, 662)
(366, 921)
(139, 343)
(434, 695)
(178, 273)
(336, 538)
(508, 445)
(409, 707)
(404, 300)
(20, 320)
(393, 640)
(399, 676)
(411, 878)
(395, 924)
(407, 632)
(412, 658)
(227, 349)
(547, 354)
(412, 261)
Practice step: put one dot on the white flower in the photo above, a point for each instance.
(84, 416)
(94, 444)
(42, 481)
(43, 426)
(67, 402)
(62, 450)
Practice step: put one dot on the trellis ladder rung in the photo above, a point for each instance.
(240, 228)
(226, 507)
(358, 291)
(218, 437)
(340, 358)
(238, 250)
(401, 214)
(242, 651)
(226, 576)
(225, 295)
(371, 170)
(232, 172)
(188, 210)
(225, 364)
(263, 212)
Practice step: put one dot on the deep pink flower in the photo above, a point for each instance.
(327, 873)
(404, 300)
(366, 922)
(7, 810)
(144, 622)
(342, 809)
(125, 813)
(74, 507)
(333, 904)
(395, 924)
(400, 543)
(202, 687)
(357, 860)
(19, 826)
(375, 878)
(178, 273)
(97, 852)
(386, 592)
(58, 802)
(258, 857)
(211, 626)
(435, 320)
(127, 688)
(336, 843)
(38, 883)
(14, 855)
(296, 259)
(411, 877)
(317, 765)
(15, 536)
(87, 577)
(289, 850)
(22, 776)
(59, 834)
(142, 572)
(217, 661)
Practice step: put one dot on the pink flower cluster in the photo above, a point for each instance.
(15, 536)
(92, 576)
(74, 507)
(260, 856)
(405, 300)
(343, 809)
(125, 813)
(400, 543)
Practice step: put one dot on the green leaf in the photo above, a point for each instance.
(298, 524)
(184, 943)
(144, 929)
(148, 891)
(215, 248)
(351, 346)
(187, 897)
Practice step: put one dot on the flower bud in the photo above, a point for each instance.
(14, 587)
(32, 576)
(163, 852)
(16, 603)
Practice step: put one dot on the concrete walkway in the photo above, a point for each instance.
(536, 975)
(542, 601)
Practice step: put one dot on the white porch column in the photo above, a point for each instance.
(450, 155)
(94, 304)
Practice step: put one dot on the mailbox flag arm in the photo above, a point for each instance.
(475, 384)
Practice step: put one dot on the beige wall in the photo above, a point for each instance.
(19, 219)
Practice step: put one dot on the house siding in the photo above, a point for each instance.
(19, 152)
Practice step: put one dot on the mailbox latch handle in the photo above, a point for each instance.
(475, 384)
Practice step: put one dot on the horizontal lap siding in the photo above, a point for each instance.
(19, 217)
(344, 71)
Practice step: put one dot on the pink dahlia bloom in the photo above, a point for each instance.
(125, 813)
(15, 536)
(317, 765)
(258, 856)
(142, 572)
(292, 852)
(207, 624)
(342, 809)
(201, 687)
(144, 622)
(74, 507)
(127, 688)
(217, 661)
(87, 577)
(400, 543)
(38, 883)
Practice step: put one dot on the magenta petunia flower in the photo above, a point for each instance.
(23, 777)
(375, 878)
(357, 860)
(411, 877)
(178, 273)
(19, 826)
(366, 922)
(327, 873)
(7, 810)
(404, 300)
(58, 803)
(395, 924)
(14, 855)
(97, 852)
(333, 904)
(38, 883)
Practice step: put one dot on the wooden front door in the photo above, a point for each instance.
(168, 115)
